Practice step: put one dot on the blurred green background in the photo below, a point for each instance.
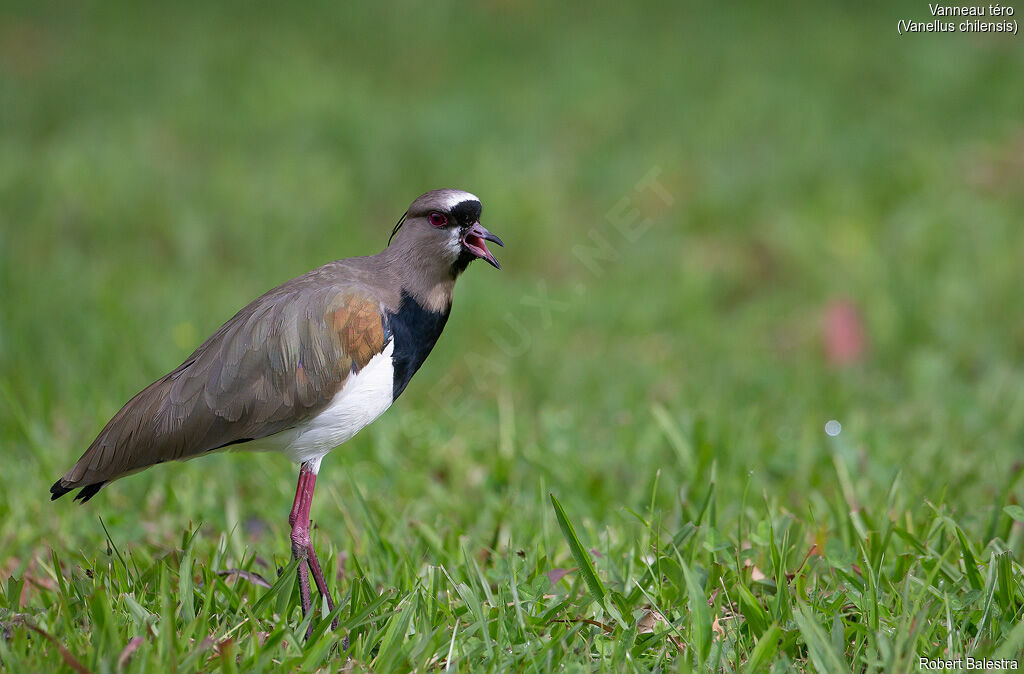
(161, 165)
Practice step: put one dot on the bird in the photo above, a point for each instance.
(304, 367)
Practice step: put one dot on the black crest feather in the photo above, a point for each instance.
(398, 226)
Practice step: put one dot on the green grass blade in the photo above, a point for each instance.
(186, 610)
(579, 554)
(819, 646)
(390, 654)
(765, 650)
(1014, 644)
(285, 580)
(970, 562)
(700, 614)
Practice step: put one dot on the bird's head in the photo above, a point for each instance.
(445, 225)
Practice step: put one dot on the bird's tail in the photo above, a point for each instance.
(61, 487)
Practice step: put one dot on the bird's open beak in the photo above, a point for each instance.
(473, 241)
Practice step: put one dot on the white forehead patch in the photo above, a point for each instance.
(456, 197)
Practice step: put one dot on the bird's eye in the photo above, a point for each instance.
(438, 219)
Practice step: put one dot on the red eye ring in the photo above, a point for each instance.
(438, 219)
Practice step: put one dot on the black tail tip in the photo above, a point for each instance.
(88, 491)
(83, 495)
(58, 490)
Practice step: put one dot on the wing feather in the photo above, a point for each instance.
(274, 364)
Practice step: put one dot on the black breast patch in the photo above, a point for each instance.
(415, 331)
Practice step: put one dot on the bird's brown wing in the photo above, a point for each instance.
(277, 362)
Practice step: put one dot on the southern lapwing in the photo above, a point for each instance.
(303, 368)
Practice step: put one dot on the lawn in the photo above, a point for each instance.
(726, 226)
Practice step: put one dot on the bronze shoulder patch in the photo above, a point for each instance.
(357, 323)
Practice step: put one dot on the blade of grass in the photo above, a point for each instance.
(1014, 644)
(286, 579)
(819, 647)
(389, 655)
(765, 650)
(579, 554)
(700, 616)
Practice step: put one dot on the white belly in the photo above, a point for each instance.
(363, 398)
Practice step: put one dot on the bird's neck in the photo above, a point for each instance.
(436, 297)
(430, 283)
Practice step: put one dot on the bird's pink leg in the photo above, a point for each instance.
(302, 546)
(321, 584)
(299, 520)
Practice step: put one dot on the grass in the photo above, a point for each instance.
(614, 459)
